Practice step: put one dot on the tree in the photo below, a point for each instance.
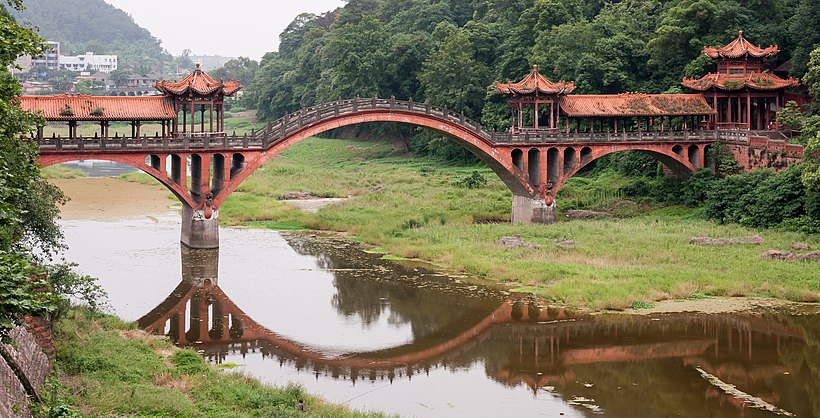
(790, 116)
(452, 78)
(812, 78)
(354, 61)
(28, 204)
(120, 77)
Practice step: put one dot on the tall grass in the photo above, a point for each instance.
(108, 368)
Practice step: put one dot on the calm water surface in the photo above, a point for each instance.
(359, 330)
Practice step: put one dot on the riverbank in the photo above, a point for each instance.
(109, 368)
(418, 207)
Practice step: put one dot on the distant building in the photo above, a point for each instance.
(89, 63)
(210, 62)
(21, 65)
(51, 59)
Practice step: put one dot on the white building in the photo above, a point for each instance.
(89, 63)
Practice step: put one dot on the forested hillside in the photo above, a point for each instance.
(94, 25)
(448, 52)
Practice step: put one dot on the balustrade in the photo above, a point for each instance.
(285, 126)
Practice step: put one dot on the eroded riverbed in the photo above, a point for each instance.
(373, 334)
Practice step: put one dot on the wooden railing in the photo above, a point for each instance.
(306, 117)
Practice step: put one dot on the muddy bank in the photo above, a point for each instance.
(106, 198)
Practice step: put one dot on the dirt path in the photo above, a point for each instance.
(105, 198)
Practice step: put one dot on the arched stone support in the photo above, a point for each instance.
(198, 230)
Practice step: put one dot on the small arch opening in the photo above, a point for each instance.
(677, 149)
(195, 162)
(217, 173)
(534, 167)
(553, 166)
(518, 158)
(569, 160)
(694, 155)
(237, 164)
(586, 154)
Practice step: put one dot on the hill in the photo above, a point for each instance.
(94, 25)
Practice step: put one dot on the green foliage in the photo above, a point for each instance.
(83, 25)
(68, 284)
(474, 181)
(761, 198)
(22, 292)
(790, 116)
(112, 369)
(812, 78)
(28, 204)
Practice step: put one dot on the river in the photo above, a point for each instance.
(401, 338)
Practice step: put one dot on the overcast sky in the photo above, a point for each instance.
(247, 28)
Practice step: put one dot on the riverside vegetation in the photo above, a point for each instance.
(109, 368)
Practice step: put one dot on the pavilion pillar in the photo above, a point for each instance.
(193, 125)
(520, 115)
(748, 110)
(202, 119)
(535, 115)
(138, 129)
(738, 120)
(532, 210)
(211, 116)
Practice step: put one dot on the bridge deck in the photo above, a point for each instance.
(291, 123)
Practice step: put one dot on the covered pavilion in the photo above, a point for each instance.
(743, 92)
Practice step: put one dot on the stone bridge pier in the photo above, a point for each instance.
(198, 229)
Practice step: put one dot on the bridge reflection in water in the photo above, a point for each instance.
(627, 366)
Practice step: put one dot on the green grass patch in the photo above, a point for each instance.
(279, 226)
(108, 368)
(418, 208)
(60, 171)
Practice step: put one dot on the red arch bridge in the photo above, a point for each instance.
(533, 164)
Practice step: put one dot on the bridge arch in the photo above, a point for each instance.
(154, 168)
(681, 166)
(502, 163)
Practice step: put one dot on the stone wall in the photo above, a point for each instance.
(34, 362)
(766, 153)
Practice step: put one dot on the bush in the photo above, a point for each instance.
(763, 199)
(474, 181)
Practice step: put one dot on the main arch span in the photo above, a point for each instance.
(533, 165)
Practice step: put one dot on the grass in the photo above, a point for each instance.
(59, 171)
(109, 368)
(417, 208)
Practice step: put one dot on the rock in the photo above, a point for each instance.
(777, 255)
(798, 246)
(515, 241)
(377, 188)
(787, 255)
(811, 256)
(298, 196)
(565, 243)
(756, 240)
(584, 214)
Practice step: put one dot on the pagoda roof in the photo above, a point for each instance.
(635, 104)
(756, 81)
(200, 83)
(535, 82)
(99, 108)
(740, 47)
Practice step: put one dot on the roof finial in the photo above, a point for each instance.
(740, 33)
(197, 66)
(535, 67)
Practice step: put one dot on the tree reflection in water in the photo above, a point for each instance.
(631, 366)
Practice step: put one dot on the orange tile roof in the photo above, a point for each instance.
(635, 104)
(740, 47)
(99, 108)
(535, 82)
(755, 81)
(200, 83)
